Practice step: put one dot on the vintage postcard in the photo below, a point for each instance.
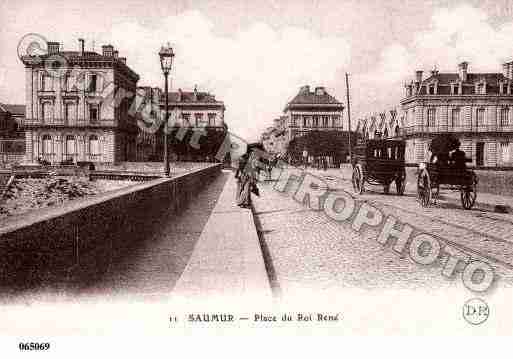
(195, 168)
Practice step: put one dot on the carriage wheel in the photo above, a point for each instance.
(468, 196)
(358, 180)
(424, 188)
(400, 184)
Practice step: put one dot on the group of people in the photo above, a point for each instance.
(455, 159)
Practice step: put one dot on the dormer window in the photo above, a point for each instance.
(481, 88)
(455, 89)
(504, 88)
(432, 89)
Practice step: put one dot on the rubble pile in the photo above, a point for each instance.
(32, 193)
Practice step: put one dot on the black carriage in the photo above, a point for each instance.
(379, 162)
(435, 176)
(446, 169)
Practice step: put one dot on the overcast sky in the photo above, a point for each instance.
(254, 55)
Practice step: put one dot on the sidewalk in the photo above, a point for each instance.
(227, 261)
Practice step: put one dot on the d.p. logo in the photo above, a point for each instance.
(476, 311)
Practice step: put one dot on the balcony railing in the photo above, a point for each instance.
(414, 130)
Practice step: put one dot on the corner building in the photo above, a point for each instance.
(475, 107)
(67, 121)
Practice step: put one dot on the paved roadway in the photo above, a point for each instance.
(306, 249)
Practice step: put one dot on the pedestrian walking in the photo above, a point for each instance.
(246, 175)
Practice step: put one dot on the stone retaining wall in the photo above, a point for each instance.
(76, 242)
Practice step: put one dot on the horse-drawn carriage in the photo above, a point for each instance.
(445, 172)
(379, 162)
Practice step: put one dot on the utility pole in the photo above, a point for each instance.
(348, 115)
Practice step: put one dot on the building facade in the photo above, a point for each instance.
(12, 139)
(274, 138)
(148, 114)
(193, 111)
(80, 110)
(312, 111)
(475, 107)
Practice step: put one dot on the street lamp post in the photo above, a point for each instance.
(166, 55)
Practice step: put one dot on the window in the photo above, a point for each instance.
(69, 110)
(46, 82)
(93, 113)
(198, 117)
(68, 83)
(480, 116)
(504, 88)
(93, 82)
(455, 117)
(335, 120)
(94, 145)
(295, 120)
(211, 119)
(316, 121)
(431, 89)
(504, 116)
(456, 89)
(70, 147)
(305, 122)
(186, 119)
(505, 151)
(47, 145)
(46, 111)
(431, 117)
(326, 121)
(480, 89)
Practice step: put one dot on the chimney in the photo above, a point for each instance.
(462, 71)
(108, 50)
(115, 53)
(418, 76)
(507, 70)
(53, 47)
(82, 45)
(122, 59)
(304, 90)
(434, 72)
(320, 91)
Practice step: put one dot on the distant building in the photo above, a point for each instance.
(385, 124)
(149, 113)
(12, 139)
(274, 138)
(194, 110)
(476, 107)
(11, 119)
(70, 112)
(312, 110)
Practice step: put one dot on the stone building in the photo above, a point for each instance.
(274, 138)
(193, 111)
(12, 138)
(77, 106)
(312, 110)
(148, 113)
(11, 120)
(475, 107)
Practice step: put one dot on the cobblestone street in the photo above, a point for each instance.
(307, 248)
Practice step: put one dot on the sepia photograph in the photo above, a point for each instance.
(202, 169)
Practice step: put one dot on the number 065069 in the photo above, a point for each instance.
(34, 346)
